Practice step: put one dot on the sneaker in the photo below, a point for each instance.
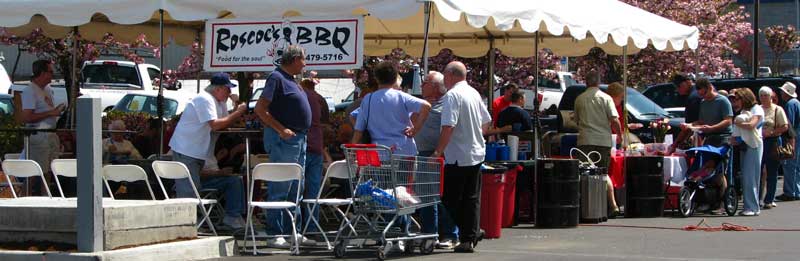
(306, 242)
(278, 242)
(748, 213)
(465, 247)
(770, 205)
(233, 222)
(447, 244)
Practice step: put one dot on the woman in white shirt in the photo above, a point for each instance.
(747, 130)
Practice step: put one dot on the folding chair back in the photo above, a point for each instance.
(66, 168)
(337, 169)
(9, 156)
(126, 173)
(277, 172)
(172, 170)
(23, 169)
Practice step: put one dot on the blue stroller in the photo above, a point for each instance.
(699, 193)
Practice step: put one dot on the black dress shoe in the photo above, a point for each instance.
(784, 197)
(465, 247)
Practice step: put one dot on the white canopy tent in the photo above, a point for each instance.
(567, 27)
(519, 27)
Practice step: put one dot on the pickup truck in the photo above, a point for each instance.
(550, 91)
(111, 80)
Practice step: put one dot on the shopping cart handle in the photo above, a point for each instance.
(360, 146)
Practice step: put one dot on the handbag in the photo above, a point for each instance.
(366, 138)
(786, 150)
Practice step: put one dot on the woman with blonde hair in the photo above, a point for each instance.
(747, 132)
(775, 124)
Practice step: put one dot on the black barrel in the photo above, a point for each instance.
(644, 182)
(558, 193)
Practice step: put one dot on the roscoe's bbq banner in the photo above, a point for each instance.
(249, 45)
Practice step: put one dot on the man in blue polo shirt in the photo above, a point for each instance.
(283, 108)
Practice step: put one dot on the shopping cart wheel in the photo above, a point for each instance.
(340, 249)
(685, 204)
(426, 248)
(731, 201)
(409, 250)
(382, 251)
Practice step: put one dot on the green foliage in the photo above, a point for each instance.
(10, 142)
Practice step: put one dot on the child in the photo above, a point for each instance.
(707, 169)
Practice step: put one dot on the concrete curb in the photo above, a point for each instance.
(198, 249)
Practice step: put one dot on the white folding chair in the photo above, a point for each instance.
(64, 168)
(23, 169)
(337, 170)
(126, 173)
(276, 172)
(176, 170)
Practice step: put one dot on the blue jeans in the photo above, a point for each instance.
(751, 176)
(292, 150)
(234, 193)
(311, 189)
(183, 189)
(772, 166)
(791, 174)
(444, 226)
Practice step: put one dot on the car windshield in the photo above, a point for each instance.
(639, 105)
(110, 74)
(256, 94)
(146, 104)
(6, 106)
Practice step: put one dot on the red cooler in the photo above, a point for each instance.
(492, 194)
(510, 193)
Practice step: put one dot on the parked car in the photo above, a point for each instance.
(147, 103)
(346, 102)
(640, 110)
(6, 105)
(550, 92)
(664, 94)
(111, 80)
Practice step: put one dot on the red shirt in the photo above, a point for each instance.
(498, 105)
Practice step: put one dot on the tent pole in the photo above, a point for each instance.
(199, 45)
(536, 75)
(625, 92)
(425, 39)
(74, 77)
(490, 69)
(160, 100)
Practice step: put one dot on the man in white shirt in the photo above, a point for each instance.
(38, 111)
(464, 120)
(191, 140)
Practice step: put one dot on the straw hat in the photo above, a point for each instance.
(789, 89)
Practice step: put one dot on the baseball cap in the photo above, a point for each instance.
(222, 79)
(679, 78)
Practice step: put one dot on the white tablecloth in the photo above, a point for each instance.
(675, 169)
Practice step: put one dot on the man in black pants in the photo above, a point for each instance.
(464, 120)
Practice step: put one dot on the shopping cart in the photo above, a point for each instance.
(387, 189)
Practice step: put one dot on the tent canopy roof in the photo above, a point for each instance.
(567, 27)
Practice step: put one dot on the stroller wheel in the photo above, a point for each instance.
(685, 204)
(731, 201)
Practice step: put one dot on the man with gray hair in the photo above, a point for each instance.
(596, 115)
(283, 108)
(464, 121)
(435, 218)
(191, 142)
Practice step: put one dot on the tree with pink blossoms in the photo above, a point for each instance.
(59, 51)
(780, 40)
(721, 24)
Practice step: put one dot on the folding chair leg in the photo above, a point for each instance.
(251, 228)
(296, 250)
(207, 219)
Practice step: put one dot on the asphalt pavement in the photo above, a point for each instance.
(775, 237)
